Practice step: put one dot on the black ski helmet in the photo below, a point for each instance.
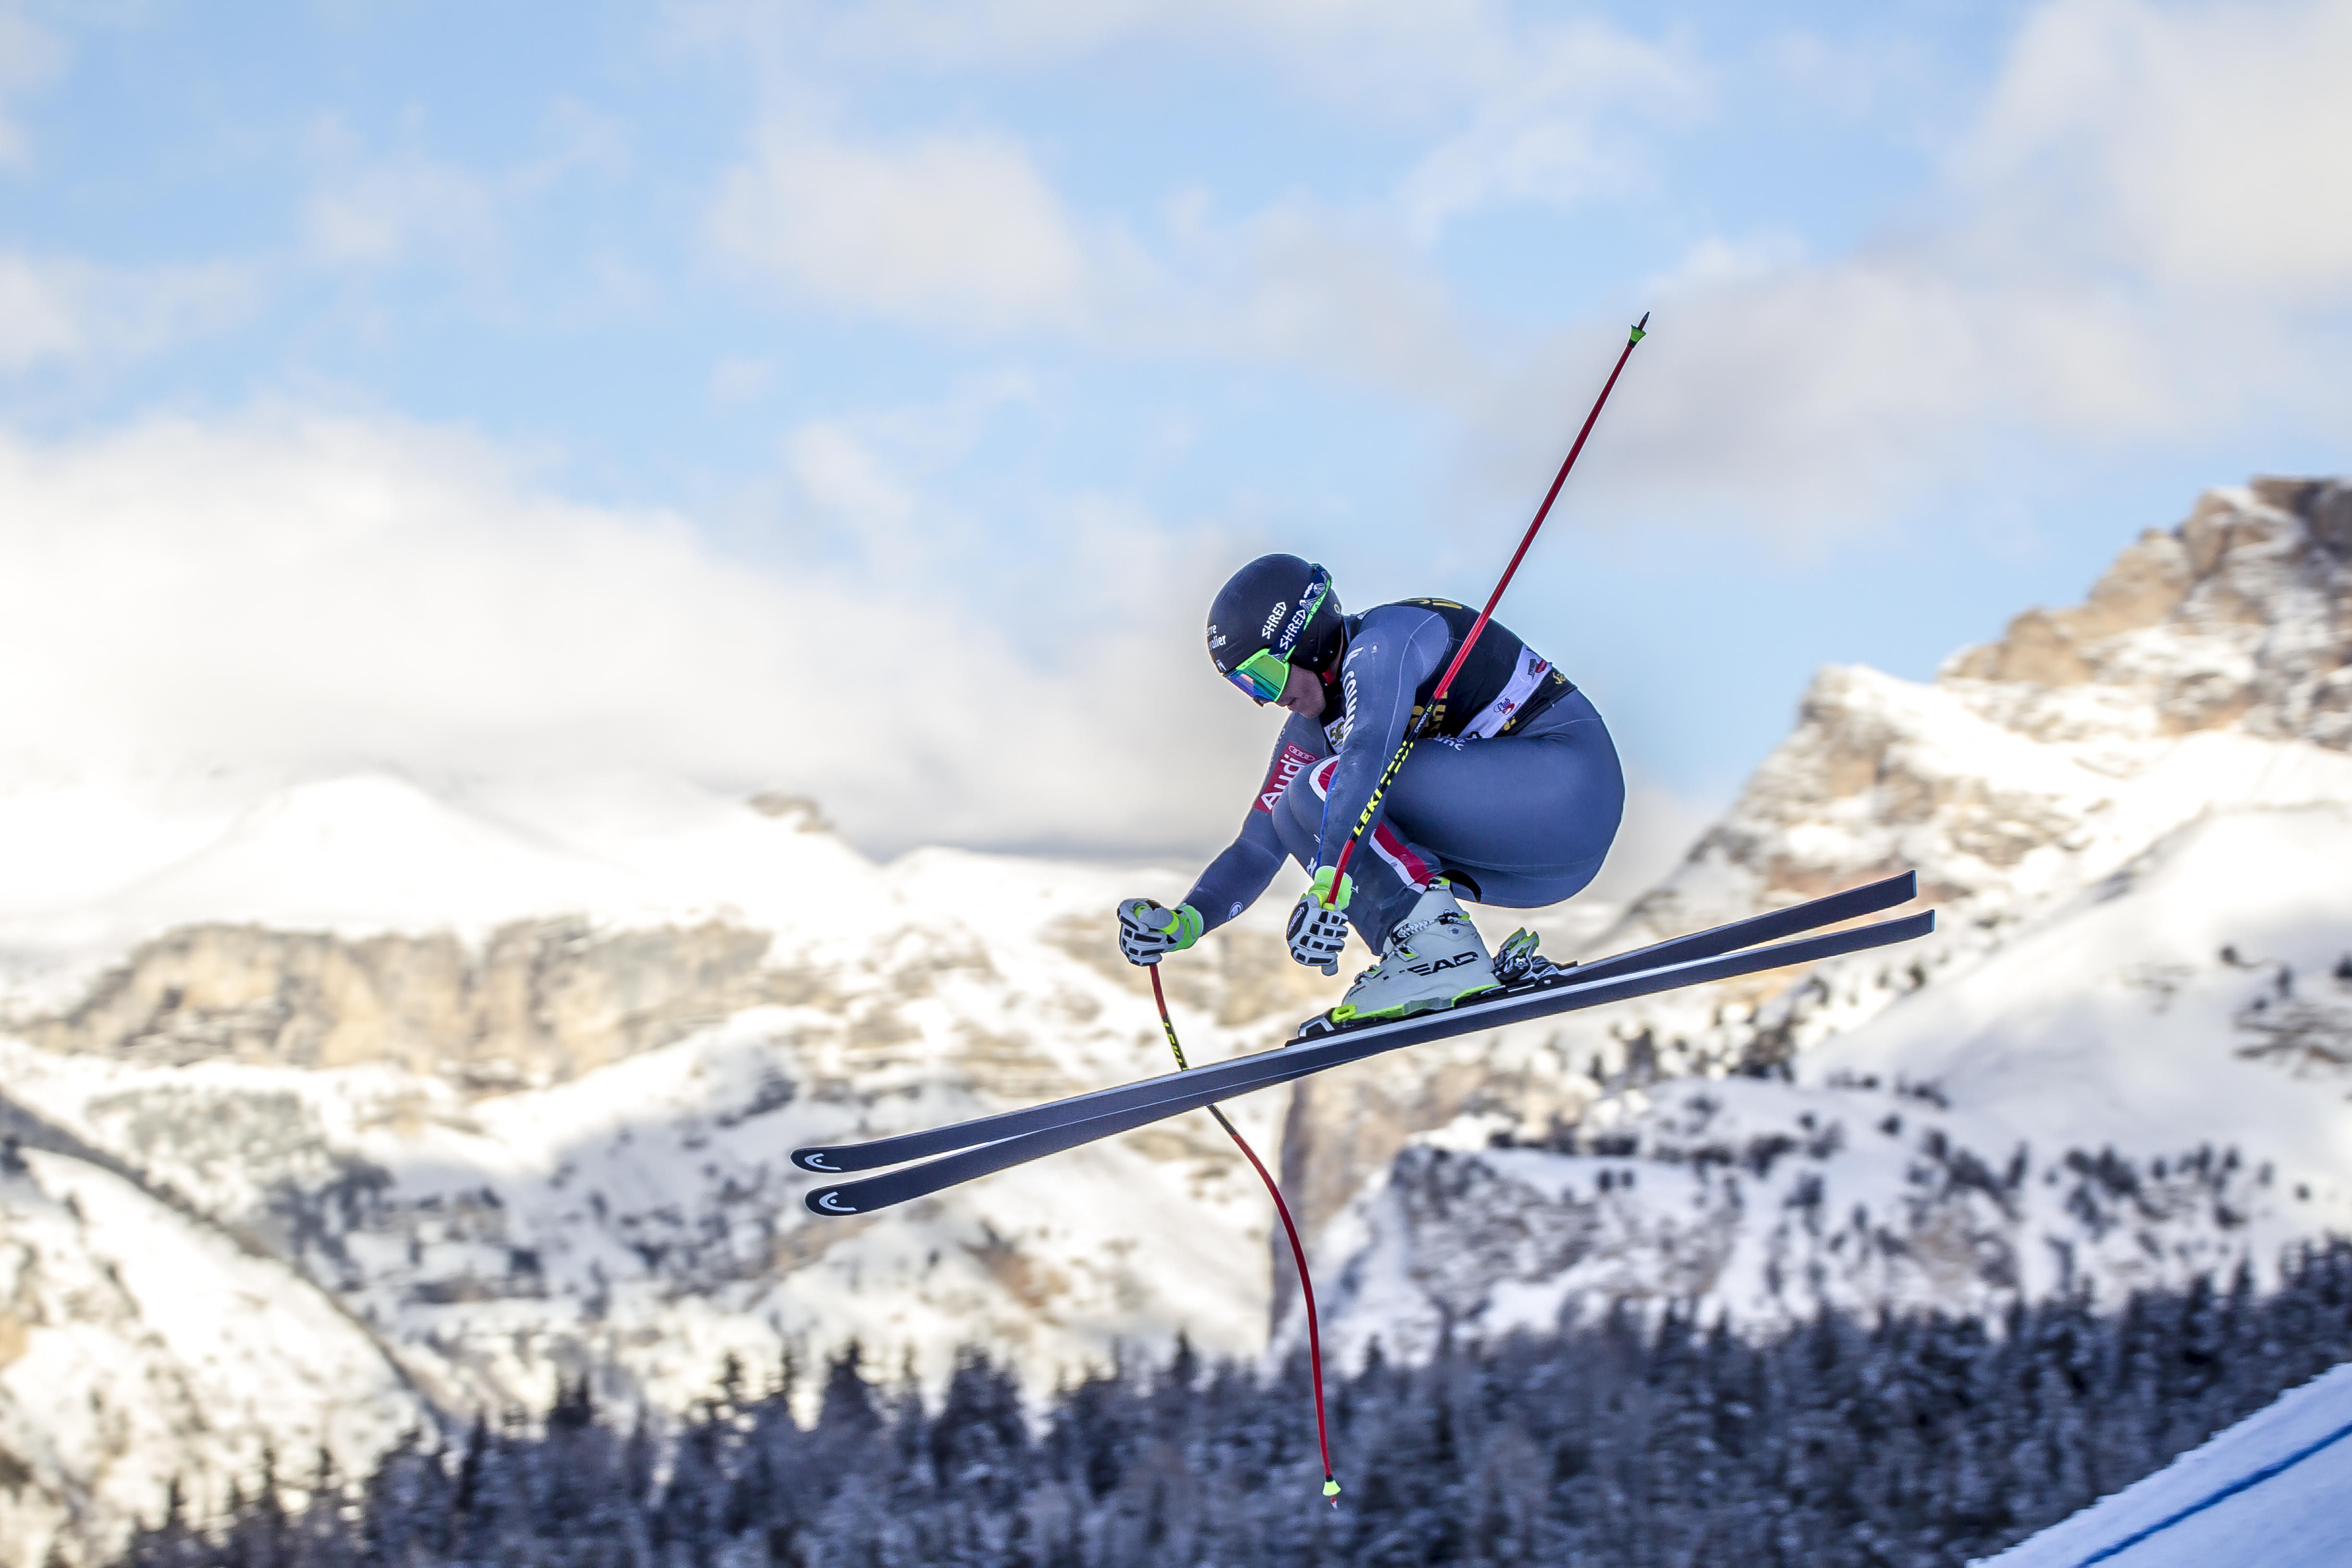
(1260, 606)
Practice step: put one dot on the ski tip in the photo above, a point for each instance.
(828, 1200)
(817, 1160)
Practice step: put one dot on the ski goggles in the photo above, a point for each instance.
(1263, 675)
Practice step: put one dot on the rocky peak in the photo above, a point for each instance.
(2031, 762)
(2241, 615)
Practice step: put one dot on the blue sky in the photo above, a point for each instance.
(865, 399)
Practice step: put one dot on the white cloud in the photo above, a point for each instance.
(1716, 262)
(739, 379)
(70, 312)
(970, 33)
(961, 230)
(965, 231)
(845, 480)
(2145, 237)
(1537, 88)
(1818, 394)
(967, 234)
(2131, 163)
(29, 55)
(1556, 128)
(1397, 59)
(2204, 145)
(386, 212)
(380, 208)
(1295, 285)
(288, 591)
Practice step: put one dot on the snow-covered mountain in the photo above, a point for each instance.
(476, 1087)
(140, 1346)
(428, 1092)
(2124, 1058)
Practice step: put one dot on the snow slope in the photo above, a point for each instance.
(2104, 1097)
(2191, 994)
(137, 1349)
(2271, 1489)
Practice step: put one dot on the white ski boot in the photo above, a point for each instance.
(1433, 959)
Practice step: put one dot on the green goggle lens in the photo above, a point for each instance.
(1261, 676)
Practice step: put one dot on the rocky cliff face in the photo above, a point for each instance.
(2011, 777)
(2236, 619)
(540, 1001)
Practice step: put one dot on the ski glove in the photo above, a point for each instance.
(1319, 930)
(1148, 933)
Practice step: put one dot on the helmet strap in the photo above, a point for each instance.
(1329, 674)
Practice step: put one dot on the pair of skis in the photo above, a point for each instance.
(990, 1144)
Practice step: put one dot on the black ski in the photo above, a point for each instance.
(1868, 899)
(1084, 1118)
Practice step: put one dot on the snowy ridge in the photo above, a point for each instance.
(373, 852)
(2270, 1490)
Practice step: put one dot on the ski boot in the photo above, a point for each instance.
(1433, 959)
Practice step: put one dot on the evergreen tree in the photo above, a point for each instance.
(1637, 1441)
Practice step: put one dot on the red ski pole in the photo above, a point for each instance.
(1298, 1251)
(1437, 698)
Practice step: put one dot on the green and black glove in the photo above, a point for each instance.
(1148, 933)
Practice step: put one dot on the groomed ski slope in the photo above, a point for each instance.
(2274, 1490)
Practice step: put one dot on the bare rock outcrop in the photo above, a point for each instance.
(2005, 782)
(542, 1001)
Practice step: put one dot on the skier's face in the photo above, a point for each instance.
(1304, 695)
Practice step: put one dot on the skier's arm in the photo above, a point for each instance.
(1232, 880)
(1396, 648)
(1235, 878)
(1232, 883)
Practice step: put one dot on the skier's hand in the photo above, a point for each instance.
(1148, 933)
(1318, 931)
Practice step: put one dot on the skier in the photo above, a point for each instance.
(1514, 804)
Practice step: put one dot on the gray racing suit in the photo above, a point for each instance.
(1519, 820)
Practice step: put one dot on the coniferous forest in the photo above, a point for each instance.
(1630, 1442)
